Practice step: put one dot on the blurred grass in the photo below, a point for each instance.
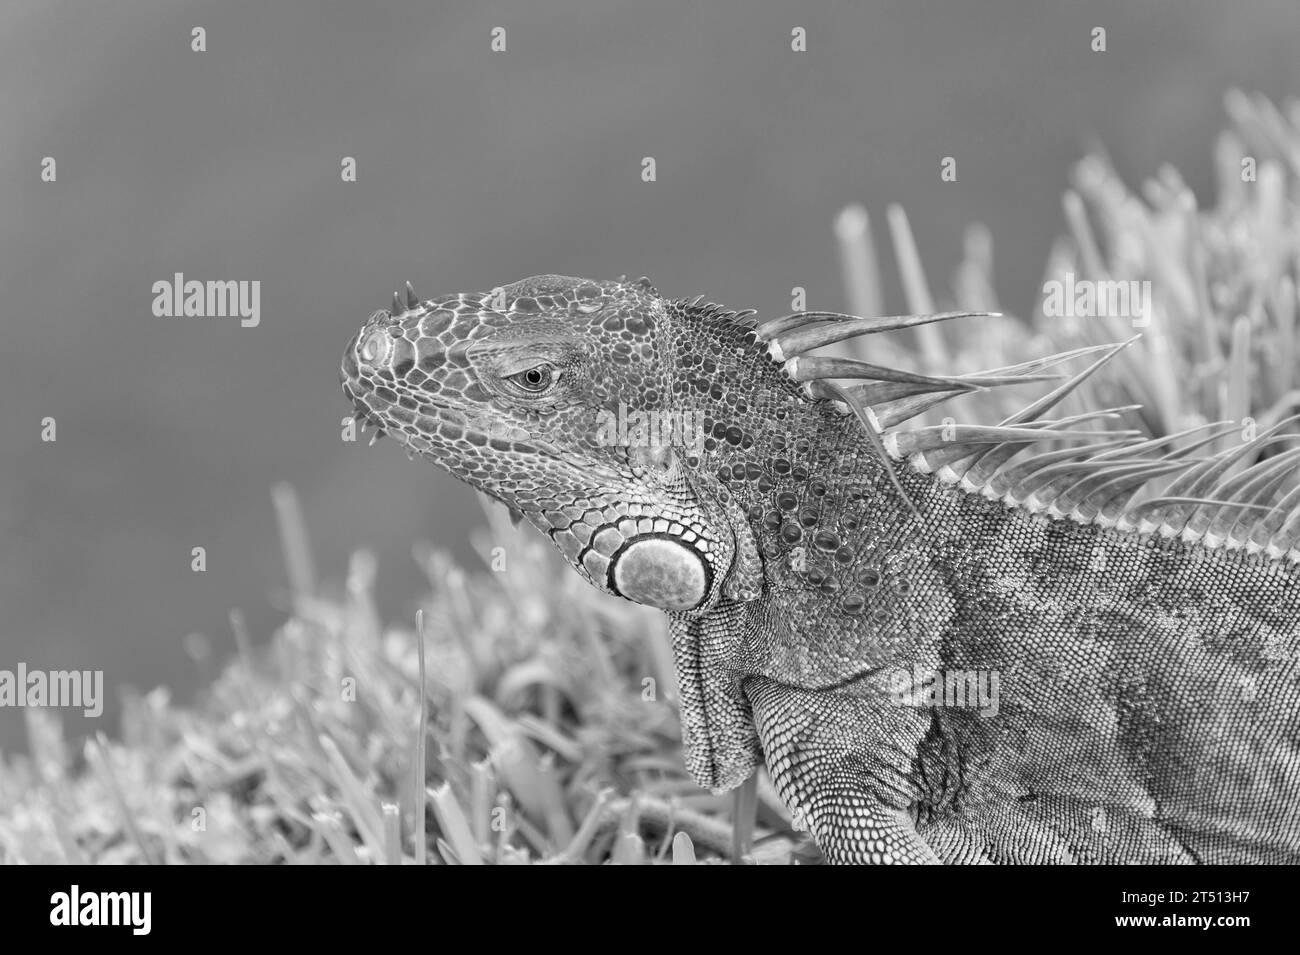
(551, 736)
(547, 730)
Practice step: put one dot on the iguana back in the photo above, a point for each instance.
(945, 643)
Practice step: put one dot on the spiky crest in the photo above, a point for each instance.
(1232, 499)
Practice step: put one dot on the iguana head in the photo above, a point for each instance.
(569, 401)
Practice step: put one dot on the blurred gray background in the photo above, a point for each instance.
(474, 169)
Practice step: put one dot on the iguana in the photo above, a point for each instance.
(835, 582)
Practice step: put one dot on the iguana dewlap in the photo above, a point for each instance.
(946, 644)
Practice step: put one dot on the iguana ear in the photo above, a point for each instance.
(718, 735)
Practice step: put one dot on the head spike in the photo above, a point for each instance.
(1010, 480)
(1113, 477)
(1110, 414)
(907, 443)
(877, 445)
(1258, 487)
(1113, 500)
(412, 300)
(958, 458)
(398, 308)
(1044, 487)
(957, 462)
(980, 471)
(811, 369)
(1239, 488)
(1107, 502)
(1048, 361)
(1288, 537)
(1274, 519)
(904, 409)
(771, 327)
(1203, 481)
(881, 392)
(1050, 399)
(1150, 509)
(990, 380)
(827, 328)
(1155, 443)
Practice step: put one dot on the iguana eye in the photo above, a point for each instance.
(534, 380)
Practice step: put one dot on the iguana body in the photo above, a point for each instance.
(1145, 699)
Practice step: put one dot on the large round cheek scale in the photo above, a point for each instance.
(661, 572)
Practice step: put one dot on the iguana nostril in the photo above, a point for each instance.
(374, 347)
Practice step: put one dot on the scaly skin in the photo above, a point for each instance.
(1148, 694)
